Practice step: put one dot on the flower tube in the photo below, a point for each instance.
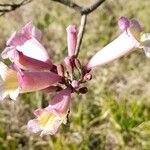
(13, 82)
(33, 81)
(128, 41)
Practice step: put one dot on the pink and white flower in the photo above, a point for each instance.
(130, 39)
(27, 42)
(13, 82)
(50, 118)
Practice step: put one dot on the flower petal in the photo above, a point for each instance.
(27, 42)
(31, 31)
(8, 82)
(51, 128)
(33, 81)
(14, 94)
(38, 112)
(3, 70)
(33, 49)
(33, 126)
(2, 93)
(135, 28)
(27, 63)
(61, 101)
(36, 33)
(7, 52)
(17, 39)
(145, 43)
(123, 23)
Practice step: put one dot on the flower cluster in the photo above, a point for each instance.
(32, 69)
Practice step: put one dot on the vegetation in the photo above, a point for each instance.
(115, 114)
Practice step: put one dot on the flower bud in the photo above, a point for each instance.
(60, 70)
(87, 77)
(72, 39)
(68, 62)
(75, 84)
(77, 63)
(83, 90)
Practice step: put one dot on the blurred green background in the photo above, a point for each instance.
(115, 114)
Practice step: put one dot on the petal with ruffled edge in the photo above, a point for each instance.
(33, 126)
(2, 93)
(145, 43)
(32, 31)
(8, 82)
(17, 39)
(27, 42)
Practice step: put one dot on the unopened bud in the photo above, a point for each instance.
(87, 77)
(72, 39)
(85, 70)
(77, 63)
(75, 84)
(69, 66)
(67, 61)
(54, 69)
(83, 90)
(60, 70)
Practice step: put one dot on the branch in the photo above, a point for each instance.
(70, 4)
(81, 33)
(92, 7)
(5, 8)
(80, 9)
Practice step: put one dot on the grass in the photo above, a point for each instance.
(115, 114)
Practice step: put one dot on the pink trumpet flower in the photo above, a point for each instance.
(27, 42)
(128, 41)
(13, 82)
(50, 118)
(72, 39)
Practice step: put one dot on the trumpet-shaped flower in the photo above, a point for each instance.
(50, 118)
(13, 82)
(128, 41)
(72, 39)
(27, 42)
